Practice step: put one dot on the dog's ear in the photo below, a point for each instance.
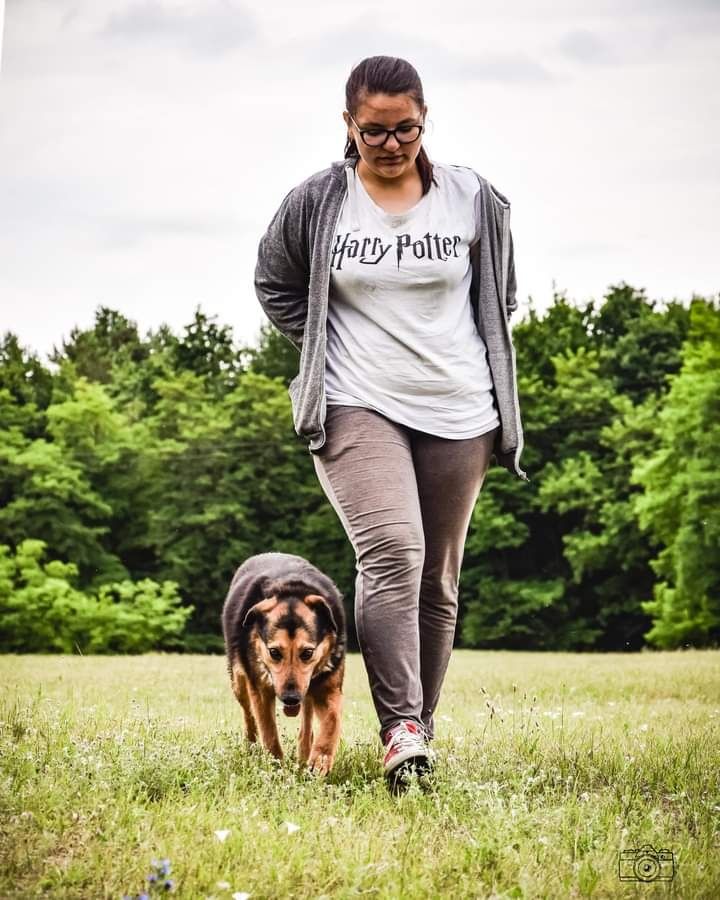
(259, 609)
(315, 601)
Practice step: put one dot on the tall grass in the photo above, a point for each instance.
(548, 766)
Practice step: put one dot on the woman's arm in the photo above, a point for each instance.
(282, 271)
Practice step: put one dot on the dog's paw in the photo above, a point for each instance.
(320, 762)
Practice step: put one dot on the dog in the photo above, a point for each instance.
(284, 627)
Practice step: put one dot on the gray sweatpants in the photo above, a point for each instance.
(405, 499)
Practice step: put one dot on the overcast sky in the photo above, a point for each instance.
(144, 146)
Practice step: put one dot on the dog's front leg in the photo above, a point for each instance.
(263, 701)
(305, 735)
(328, 708)
(240, 689)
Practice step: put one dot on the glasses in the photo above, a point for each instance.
(377, 137)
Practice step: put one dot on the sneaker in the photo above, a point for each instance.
(406, 743)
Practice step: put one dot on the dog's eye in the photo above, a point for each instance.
(275, 654)
(306, 655)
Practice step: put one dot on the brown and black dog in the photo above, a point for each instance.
(284, 627)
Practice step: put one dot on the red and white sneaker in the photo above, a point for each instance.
(405, 742)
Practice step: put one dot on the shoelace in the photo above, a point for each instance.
(403, 739)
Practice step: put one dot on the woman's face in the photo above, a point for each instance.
(390, 111)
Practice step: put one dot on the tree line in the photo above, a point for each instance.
(137, 472)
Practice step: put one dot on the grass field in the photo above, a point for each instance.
(548, 766)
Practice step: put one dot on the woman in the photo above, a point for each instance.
(394, 277)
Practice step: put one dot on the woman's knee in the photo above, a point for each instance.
(394, 549)
(439, 592)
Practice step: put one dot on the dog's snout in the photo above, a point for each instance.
(290, 698)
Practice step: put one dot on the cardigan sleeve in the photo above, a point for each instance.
(511, 299)
(282, 271)
(486, 202)
(511, 286)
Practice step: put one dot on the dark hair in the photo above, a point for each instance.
(386, 75)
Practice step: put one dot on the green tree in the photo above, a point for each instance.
(274, 355)
(512, 587)
(680, 503)
(172, 458)
(641, 344)
(27, 384)
(230, 479)
(80, 487)
(95, 352)
(49, 496)
(207, 350)
(564, 563)
(41, 611)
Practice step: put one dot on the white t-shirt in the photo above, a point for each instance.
(401, 338)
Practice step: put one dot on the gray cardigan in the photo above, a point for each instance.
(292, 279)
